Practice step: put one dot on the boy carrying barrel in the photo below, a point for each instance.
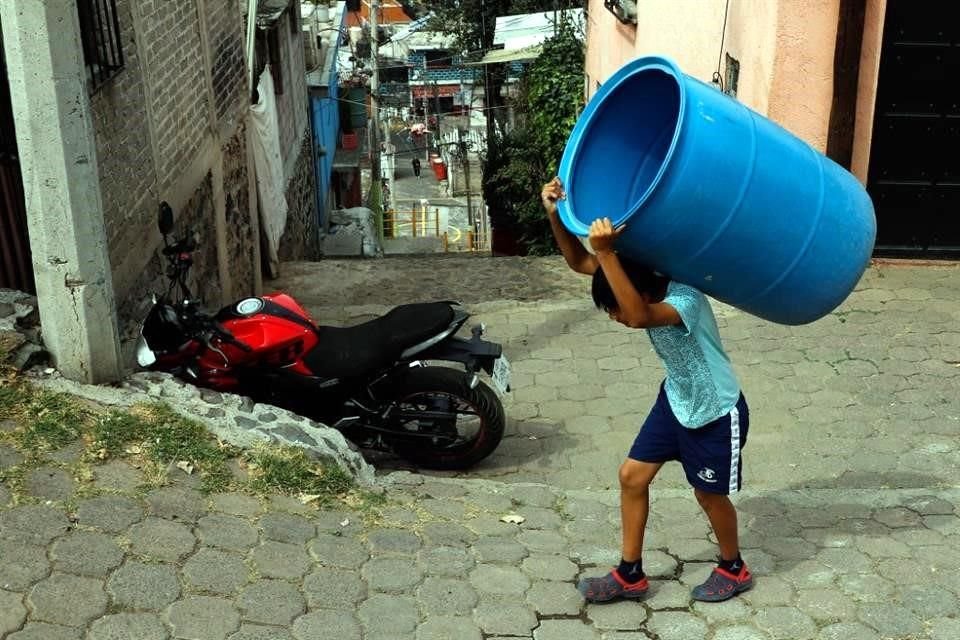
(700, 417)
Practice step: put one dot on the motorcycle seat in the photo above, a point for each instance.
(348, 352)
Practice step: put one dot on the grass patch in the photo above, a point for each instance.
(9, 342)
(162, 437)
(290, 470)
(113, 431)
(47, 420)
(157, 440)
(11, 396)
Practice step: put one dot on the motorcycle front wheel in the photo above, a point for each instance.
(441, 423)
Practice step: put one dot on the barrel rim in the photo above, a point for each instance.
(586, 120)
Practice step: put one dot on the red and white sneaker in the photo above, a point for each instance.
(611, 587)
(723, 585)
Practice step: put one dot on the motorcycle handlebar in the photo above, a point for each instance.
(202, 326)
(224, 334)
(186, 245)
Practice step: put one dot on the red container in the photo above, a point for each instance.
(349, 141)
(439, 169)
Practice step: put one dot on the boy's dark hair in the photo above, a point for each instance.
(644, 279)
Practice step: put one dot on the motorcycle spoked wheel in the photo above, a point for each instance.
(448, 424)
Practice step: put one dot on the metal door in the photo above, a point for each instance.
(914, 175)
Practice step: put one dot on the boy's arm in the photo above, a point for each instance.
(634, 310)
(578, 258)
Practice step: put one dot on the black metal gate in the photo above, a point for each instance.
(914, 175)
(16, 268)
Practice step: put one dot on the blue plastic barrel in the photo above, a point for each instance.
(715, 195)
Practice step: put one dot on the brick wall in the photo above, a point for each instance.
(454, 72)
(300, 240)
(292, 103)
(227, 43)
(162, 125)
(173, 61)
(204, 282)
(124, 152)
(197, 217)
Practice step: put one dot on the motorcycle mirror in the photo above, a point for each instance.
(165, 219)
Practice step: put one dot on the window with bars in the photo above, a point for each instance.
(100, 36)
(438, 59)
(732, 76)
(624, 10)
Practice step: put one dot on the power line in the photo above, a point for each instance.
(445, 113)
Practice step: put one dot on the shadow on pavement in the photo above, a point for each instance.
(838, 525)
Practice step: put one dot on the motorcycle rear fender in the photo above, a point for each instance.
(459, 317)
(474, 354)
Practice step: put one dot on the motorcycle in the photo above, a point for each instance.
(371, 381)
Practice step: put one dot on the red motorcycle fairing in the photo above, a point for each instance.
(278, 331)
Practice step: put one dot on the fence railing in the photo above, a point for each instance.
(424, 223)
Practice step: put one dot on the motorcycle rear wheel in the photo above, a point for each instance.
(430, 402)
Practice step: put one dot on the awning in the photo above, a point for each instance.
(509, 55)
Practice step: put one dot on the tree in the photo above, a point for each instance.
(518, 162)
(472, 24)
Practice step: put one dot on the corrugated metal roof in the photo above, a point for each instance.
(509, 55)
(528, 29)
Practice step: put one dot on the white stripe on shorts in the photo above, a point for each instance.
(734, 450)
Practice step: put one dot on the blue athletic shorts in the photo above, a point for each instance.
(710, 455)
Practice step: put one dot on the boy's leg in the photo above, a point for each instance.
(723, 518)
(713, 464)
(635, 479)
(627, 580)
(655, 442)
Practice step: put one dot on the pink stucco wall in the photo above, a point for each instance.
(785, 49)
(690, 32)
(802, 91)
(609, 45)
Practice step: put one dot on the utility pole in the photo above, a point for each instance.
(436, 103)
(465, 158)
(375, 99)
(426, 119)
(487, 95)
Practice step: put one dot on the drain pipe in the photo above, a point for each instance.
(252, 7)
(252, 191)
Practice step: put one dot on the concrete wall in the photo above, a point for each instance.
(785, 49)
(49, 95)
(170, 126)
(326, 125)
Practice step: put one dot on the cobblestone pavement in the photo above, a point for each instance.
(438, 562)
(848, 517)
(866, 398)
